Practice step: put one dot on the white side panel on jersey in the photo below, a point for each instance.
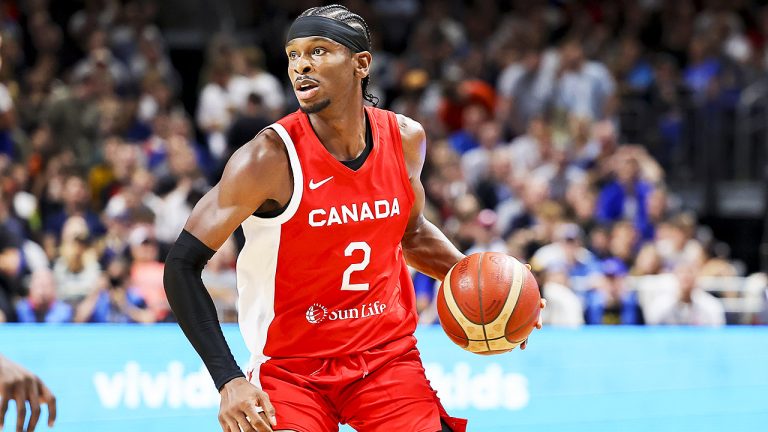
(298, 180)
(257, 267)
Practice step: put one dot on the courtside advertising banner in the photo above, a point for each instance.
(148, 378)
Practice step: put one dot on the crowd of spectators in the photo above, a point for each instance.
(101, 163)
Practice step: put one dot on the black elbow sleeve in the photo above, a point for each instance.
(194, 308)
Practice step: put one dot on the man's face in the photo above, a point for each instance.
(322, 70)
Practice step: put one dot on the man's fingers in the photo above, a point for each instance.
(20, 397)
(230, 425)
(257, 418)
(34, 404)
(47, 397)
(267, 420)
(269, 410)
(524, 344)
(223, 424)
(3, 407)
(245, 425)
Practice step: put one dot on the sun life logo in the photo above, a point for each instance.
(316, 313)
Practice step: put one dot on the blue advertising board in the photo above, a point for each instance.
(148, 378)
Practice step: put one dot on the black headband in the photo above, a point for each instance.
(332, 29)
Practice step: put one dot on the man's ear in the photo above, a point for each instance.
(363, 62)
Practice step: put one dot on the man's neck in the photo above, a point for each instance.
(341, 130)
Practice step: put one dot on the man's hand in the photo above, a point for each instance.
(245, 407)
(22, 386)
(542, 305)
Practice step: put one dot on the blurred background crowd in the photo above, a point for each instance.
(588, 138)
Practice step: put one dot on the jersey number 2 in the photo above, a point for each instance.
(345, 285)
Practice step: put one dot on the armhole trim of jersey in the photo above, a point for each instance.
(298, 181)
(400, 151)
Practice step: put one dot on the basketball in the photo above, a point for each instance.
(488, 303)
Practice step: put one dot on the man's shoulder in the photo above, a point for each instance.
(262, 162)
(411, 131)
(266, 147)
(414, 140)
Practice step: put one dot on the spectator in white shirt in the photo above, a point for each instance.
(689, 305)
(214, 109)
(585, 88)
(250, 77)
(564, 307)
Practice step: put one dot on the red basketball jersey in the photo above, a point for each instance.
(327, 277)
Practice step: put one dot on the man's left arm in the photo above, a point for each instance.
(426, 248)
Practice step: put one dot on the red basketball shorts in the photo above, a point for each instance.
(383, 389)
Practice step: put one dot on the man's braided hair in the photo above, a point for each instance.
(340, 13)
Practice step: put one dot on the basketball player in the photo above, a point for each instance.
(22, 386)
(330, 201)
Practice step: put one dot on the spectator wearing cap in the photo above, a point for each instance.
(42, 306)
(688, 304)
(610, 302)
(146, 271)
(113, 301)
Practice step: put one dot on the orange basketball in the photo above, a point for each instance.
(488, 303)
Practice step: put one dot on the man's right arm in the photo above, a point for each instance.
(258, 171)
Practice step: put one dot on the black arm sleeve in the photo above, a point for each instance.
(194, 308)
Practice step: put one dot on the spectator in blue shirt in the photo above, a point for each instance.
(42, 306)
(610, 302)
(467, 138)
(626, 196)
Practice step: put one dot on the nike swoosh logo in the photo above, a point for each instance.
(313, 185)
